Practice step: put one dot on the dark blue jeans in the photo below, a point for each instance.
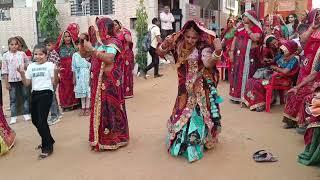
(19, 94)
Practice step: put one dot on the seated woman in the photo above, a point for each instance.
(284, 62)
(311, 154)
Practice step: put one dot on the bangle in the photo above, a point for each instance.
(215, 56)
(161, 49)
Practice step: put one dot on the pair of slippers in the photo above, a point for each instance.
(264, 156)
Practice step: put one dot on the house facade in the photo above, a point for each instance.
(20, 17)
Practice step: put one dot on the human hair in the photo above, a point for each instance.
(118, 22)
(22, 42)
(12, 39)
(40, 47)
(49, 40)
(192, 25)
(154, 20)
(302, 28)
(109, 25)
(296, 21)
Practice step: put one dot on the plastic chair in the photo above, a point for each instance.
(224, 65)
(275, 85)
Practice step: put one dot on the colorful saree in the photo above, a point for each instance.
(255, 92)
(246, 62)
(7, 135)
(66, 86)
(294, 101)
(108, 121)
(128, 65)
(194, 124)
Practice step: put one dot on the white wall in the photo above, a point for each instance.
(19, 3)
(22, 23)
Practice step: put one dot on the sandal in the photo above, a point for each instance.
(43, 155)
(265, 157)
(87, 112)
(82, 112)
(258, 153)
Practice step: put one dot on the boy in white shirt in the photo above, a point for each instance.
(155, 40)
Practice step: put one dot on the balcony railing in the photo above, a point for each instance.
(103, 7)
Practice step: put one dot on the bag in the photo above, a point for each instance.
(146, 43)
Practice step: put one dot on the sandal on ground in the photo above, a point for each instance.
(44, 155)
(265, 157)
(38, 147)
(82, 112)
(260, 109)
(258, 153)
(87, 112)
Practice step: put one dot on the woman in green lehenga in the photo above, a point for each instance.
(195, 122)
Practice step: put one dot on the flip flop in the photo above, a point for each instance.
(43, 155)
(258, 153)
(265, 157)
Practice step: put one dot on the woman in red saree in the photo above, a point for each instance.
(195, 121)
(66, 48)
(245, 55)
(284, 62)
(124, 35)
(294, 101)
(108, 121)
(273, 27)
(7, 135)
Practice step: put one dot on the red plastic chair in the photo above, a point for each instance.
(275, 84)
(224, 65)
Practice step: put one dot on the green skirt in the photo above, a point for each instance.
(190, 139)
(311, 154)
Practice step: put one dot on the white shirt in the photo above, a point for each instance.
(155, 31)
(166, 21)
(40, 76)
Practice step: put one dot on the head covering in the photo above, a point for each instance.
(23, 43)
(275, 20)
(311, 16)
(92, 35)
(206, 36)
(289, 47)
(268, 39)
(107, 35)
(252, 16)
(73, 29)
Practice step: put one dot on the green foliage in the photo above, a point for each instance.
(142, 30)
(49, 24)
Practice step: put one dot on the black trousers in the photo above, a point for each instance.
(155, 61)
(40, 105)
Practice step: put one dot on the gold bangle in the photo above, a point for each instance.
(215, 56)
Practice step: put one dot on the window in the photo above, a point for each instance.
(92, 7)
(231, 4)
(5, 6)
(133, 23)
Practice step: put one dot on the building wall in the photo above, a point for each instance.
(22, 23)
(19, 3)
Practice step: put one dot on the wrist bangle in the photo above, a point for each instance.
(161, 49)
(215, 56)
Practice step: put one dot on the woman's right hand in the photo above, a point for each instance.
(293, 90)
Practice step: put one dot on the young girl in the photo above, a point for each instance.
(81, 77)
(12, 60)
(42, 76)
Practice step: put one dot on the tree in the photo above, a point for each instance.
(142, 30)
(49, 24)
